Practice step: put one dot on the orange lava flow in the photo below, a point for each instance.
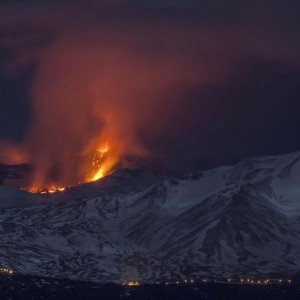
(101, 164)
(46, 190)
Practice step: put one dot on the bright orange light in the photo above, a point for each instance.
(103, 149)
(46, 190)
(100, 164)
(99, 174)
(104, 159)
(132, 283)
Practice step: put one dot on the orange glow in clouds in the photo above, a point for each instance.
(11, 154)
(97, 96)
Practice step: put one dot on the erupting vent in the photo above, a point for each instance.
(97, 169)
(100, 164)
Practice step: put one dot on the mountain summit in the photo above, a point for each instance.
(131, 225)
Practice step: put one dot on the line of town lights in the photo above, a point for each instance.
(228, 281)
(233, 281)
(204, 280)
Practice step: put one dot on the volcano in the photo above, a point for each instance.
(137, 225)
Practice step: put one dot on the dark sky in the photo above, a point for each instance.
(246, 54)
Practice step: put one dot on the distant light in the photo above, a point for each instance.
(132, 283)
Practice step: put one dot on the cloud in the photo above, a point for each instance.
(113, 76)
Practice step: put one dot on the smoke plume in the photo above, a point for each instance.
(110, 82)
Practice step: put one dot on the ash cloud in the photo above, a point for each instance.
(136, 77)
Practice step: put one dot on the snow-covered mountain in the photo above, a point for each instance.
(242, 219)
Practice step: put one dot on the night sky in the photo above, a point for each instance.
(200, 83)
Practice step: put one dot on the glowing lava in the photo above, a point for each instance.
(101, 163)
(97, 170)
(46, 190)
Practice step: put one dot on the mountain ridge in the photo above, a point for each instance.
(242, 219)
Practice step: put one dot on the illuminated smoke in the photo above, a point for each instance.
(99, 90)
(109, 83)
